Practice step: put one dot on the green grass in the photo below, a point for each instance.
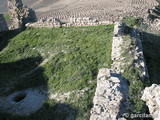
(151, 48)
(132, 21)
(6, 16)
(75, 54)
(136, 85)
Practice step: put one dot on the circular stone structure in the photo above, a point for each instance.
(23, 102)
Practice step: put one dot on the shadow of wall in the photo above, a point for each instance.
(6, 36)
(3, 24)
(151, 49)
(17, 76)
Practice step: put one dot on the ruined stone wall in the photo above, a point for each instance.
(110, 100)
(3, 24)
(54, 22)
(46, 23)
(20, 14)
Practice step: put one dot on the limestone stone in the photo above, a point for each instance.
(151, 96)
(119, 28)
(20, 14)
(46, 22)
(109, 96)
(54, 22)
(110, 100)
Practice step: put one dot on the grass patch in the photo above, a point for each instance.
(74, 55)
(132, 21)
(136, 85)
(7, 16)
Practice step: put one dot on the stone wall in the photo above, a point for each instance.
(138, 57)
(3, 24)
(20, 14)
(47, 23)
(110, 100)
(54, 22)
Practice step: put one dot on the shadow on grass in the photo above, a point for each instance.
(15, 72)
(28, 74)
(151, 49)
(56, 111)
(6, 36)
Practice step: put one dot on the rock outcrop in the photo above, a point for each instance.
(151, 96)
(3, 24)
(19, 13)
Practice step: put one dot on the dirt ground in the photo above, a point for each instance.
(100, 9)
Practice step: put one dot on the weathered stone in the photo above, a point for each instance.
(119, 28)
(109, 96)
(3, 24)
(20, 15)
(54, 22)
(154, 18)
(151, 96)
(46, 22)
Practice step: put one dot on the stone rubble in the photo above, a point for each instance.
(151, 96)
(3, 24)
